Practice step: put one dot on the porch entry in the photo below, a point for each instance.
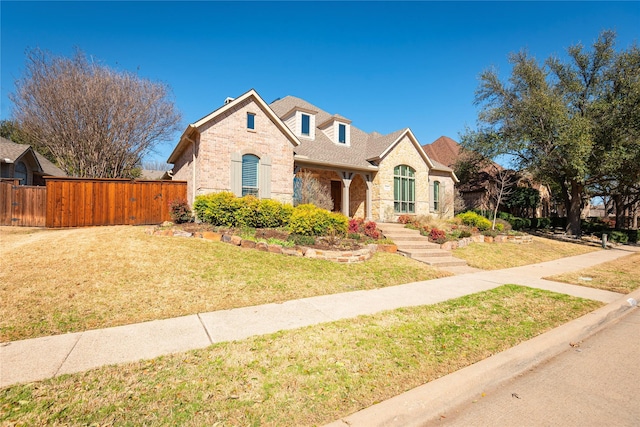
(336, 195)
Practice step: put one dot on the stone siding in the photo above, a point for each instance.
(404, 153)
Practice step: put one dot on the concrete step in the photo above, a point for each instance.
(419, 252)
(442, 261)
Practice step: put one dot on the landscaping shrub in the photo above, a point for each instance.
(405, 219)
(490, 233)
(355, 225)
(247, 212)
(438, 236)
(465, 233)
(217, 208)
(310, 220)
(472, 219)
(542, 223)
(619, 237)
(371, 230)
(273, 214)
(520, 223)
(179, 211)
(301, 240)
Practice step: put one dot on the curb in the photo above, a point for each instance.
(427, 403)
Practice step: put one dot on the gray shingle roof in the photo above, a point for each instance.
(13, 151)
(363, 151)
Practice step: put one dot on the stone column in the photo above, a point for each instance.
(346, 183)
(368, 180)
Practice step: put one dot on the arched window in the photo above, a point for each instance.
(404, 189)
(20, 172)
(250, 175)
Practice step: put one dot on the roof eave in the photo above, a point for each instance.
(307, 161)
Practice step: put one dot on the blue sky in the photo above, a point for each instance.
(383, 65)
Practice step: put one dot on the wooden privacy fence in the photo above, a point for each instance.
(79, 202)
(22, 205)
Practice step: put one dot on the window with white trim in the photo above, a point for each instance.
(250, 165)
(404, 189)
(305, 121)
(342, 133)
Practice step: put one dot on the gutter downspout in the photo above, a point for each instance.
(193, 172)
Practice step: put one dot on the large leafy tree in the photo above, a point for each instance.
(94, 121)
(548, 117)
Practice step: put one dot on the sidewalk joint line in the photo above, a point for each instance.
(206, 331)
(55, 374)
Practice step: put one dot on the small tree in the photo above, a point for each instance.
(310, 191)
(95, 122)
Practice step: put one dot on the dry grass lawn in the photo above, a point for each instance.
(57, 281)
(621, 275)
(495, 256)
(303, 377)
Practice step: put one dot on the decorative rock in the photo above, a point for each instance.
(164, 233)
(236, 240)
(311, 253)
(275, 249)
(446, 246)
(225, 238)
(212, 235)
(167, 224)
(392, 249)
(292, 251)
(488, 239)
(249, 244)
(262, 246)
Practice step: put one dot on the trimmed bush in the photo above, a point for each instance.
(273, 214)
(619, 237)
(309, 220)
(218, 209)
(472, 219)
(179, 211)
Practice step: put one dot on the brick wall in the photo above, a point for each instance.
(227, 133)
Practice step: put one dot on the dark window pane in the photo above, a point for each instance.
(251, 121)
(342, 134)
(306, 120)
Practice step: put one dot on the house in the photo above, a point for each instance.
(479, 190)
(22, 162)
(250, 147)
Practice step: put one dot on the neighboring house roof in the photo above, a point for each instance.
(154, 174)
(444, 150)
(11, 152)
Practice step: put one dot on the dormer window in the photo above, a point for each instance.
(342, 133)
(306, 125)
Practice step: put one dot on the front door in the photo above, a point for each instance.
(336, 195)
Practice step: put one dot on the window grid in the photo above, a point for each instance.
(404, 189)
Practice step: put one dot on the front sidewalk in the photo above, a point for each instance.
(47, 357)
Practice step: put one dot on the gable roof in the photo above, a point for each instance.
(444, 150)
(11, 152)
(365, 149)
(193, 127)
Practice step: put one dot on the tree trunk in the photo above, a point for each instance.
(620, 206)
(575, 209)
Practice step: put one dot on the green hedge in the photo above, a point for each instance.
(309, 220)
(226, 210)
(472, 219)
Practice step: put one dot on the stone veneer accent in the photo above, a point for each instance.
(404, 153)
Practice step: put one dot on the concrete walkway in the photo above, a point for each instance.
(46, 357)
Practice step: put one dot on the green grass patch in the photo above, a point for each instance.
(308, 376)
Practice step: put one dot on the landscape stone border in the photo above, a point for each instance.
(347, 257)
